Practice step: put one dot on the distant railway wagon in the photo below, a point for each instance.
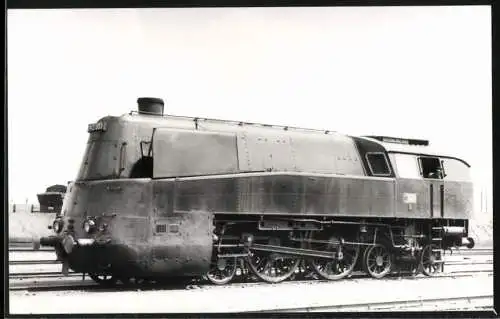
(51, 200)
(161, 196)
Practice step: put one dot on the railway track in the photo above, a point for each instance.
(76, 282)
(481, 302)
(72, 274)
(467, 266)
(28, 249)
(403, 295)
(53, 280)
(51, 262)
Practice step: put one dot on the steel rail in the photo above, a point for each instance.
(48, 262)
(393, 305)
(29, 250)
(33, 262)
(41, 274)
(51, 274)
(459, 251)
(88, 284)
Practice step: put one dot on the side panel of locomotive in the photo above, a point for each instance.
(458, 189)
(448, 197)
(220, 163)
(286, 194)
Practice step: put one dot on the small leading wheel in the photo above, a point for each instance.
(222, 271)
(378, 261)
(341, 266)
(104, 279)
(430, 260)
(272, 267)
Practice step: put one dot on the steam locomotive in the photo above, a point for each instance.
(160, 196)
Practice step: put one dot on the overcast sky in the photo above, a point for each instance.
(422, 72)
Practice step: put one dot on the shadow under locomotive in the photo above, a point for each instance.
(162, 196)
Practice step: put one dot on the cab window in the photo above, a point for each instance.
(430, 167)
(456, 170)
(406, 166)
(378, 164)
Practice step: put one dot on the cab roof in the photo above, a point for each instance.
(409, 146)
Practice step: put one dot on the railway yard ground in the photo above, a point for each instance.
(35, 280)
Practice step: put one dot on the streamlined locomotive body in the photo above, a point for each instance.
(159, 196)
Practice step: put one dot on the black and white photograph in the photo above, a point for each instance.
(249, 160)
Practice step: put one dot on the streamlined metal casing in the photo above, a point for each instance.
(153, 186)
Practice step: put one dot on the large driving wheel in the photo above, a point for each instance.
(338, 268)
(430, 260)
(222, 271)
(272, 267)
(378, 261)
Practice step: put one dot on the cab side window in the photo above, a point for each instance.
(430, 167)
(406, 166)
(456, 170)
(378, 164)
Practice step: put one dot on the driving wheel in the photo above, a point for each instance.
(378, 261)
(272, 267)
(339, 267)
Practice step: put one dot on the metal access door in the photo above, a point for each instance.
(436, 198)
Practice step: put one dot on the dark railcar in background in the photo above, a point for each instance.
(159, 196)
(51, 200)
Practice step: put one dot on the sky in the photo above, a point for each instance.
(420, 72)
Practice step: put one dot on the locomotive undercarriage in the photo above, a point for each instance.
(275, 249)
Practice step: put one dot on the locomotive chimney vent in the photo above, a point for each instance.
(150, 105)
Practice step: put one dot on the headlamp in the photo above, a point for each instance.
(89, 225)
(57, 225)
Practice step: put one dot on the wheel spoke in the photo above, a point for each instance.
(222, 276)
(337, 268)
(428, 266)
(377, 261)
(272, 267)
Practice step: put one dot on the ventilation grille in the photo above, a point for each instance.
(174, 228)
(161, 228)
